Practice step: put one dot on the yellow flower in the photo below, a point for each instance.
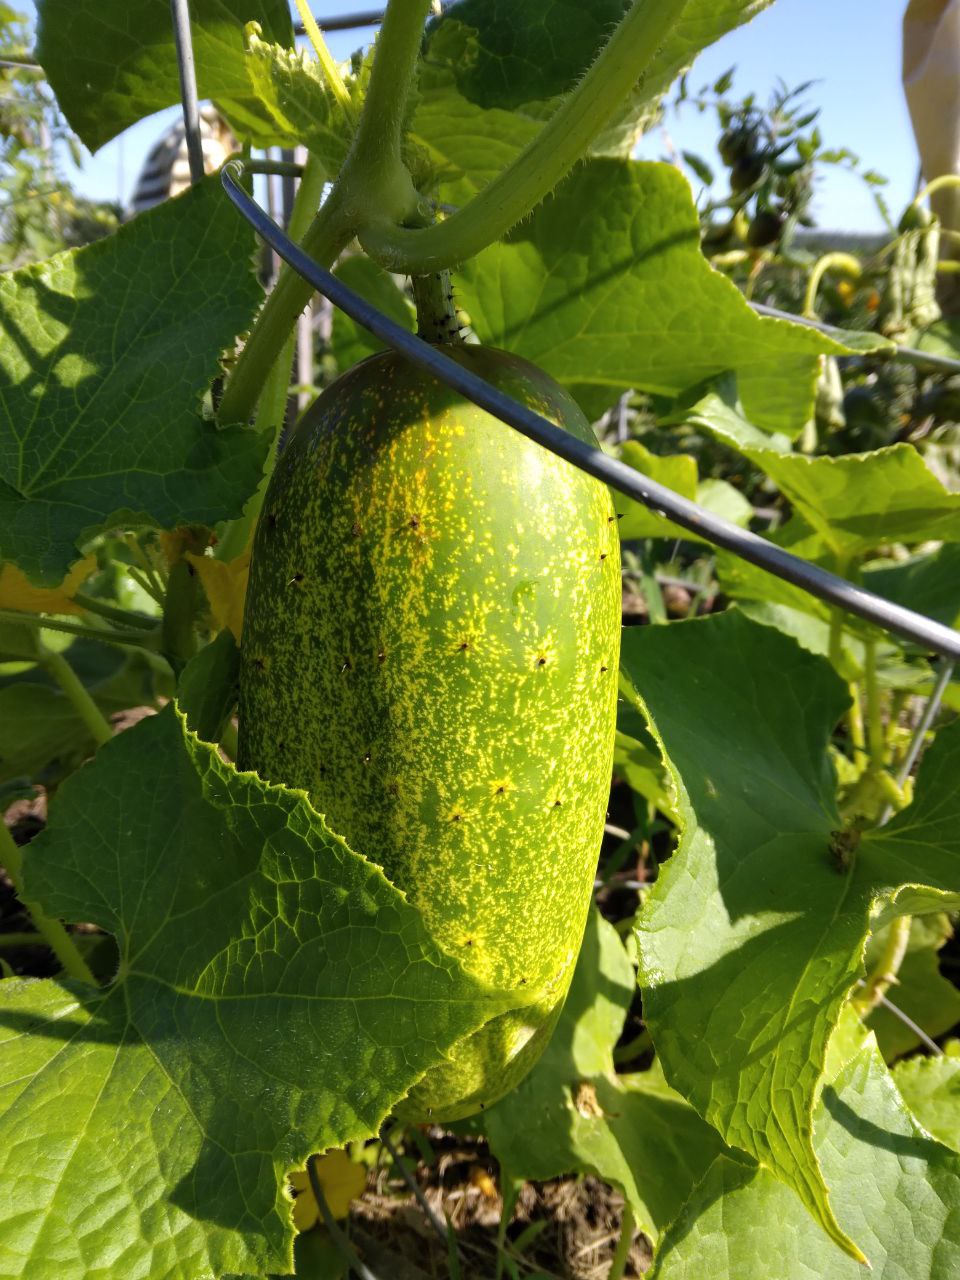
(16, 592)
(225, 584)
(340, 1180)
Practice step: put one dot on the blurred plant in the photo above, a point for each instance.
(40, 213)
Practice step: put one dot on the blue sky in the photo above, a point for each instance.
(850, 47)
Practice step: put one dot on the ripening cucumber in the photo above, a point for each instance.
(430, 649)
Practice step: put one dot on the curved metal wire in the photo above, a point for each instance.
(912, 626)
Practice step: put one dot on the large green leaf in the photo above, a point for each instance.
(931, 1089)
(752, 937)
(518, 59)
(104, 357)
(276, 995)
(110, 62)
(898, 1193)
(572, 1114)
(847, 505)
(606, 288)
(678, 471)
(297, 102)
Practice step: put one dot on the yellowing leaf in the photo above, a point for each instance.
(341, 1182)
(16, 592)
(225, 584)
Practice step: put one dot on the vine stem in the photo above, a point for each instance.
(125, 617)
(327, 236)
(78, 695)
(875, 737)
(329, 68)
(271, 411)
(52, 931)
(628, 1225)
(844, 262)
(884, 973)
(136, 639)
(547, 159)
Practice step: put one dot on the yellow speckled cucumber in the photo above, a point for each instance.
(430, 649)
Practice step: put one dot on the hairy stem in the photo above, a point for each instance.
(331, 72)
(125, 617)
(540, 166)
(52, 931)
(78, 695)
(875, 737)
(884, 973)
(328, 234)
(380, 133)
(137, 639)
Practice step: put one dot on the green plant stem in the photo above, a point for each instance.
(328, 234)
(875, 737)
(835, 646)
(328, 66)
(855, 721)
(884, 973)
(79, 697)
(551, 155)
(622, 1252)
(136, 639)
(272, 404)
(145, 583)
(126, 617)
(271, 411)
(844, 262)
(52, 931)
(379, 137)
(895, 797)
(22, 940)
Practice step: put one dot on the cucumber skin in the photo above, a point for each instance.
(430, 649)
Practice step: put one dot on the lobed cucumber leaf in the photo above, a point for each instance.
(752, 937)
(931, 1089)
(847, 505)
(897, 1192)
(110, 62)
(630, 301)
(276, 995)
(106, 353)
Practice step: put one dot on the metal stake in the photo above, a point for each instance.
(183, 37)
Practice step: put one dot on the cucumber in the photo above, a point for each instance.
(430, 649)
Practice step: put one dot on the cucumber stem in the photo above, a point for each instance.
(436, 311)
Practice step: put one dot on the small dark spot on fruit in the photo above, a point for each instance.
(260, 664)
(610, 519)
(557, 803)
(464, 646)
(523, 982)
(414, 522)
(322, 769)
(541, 661)
(621, 515)
(603, 555)
(456, 817)
(347, 666)
(483, 1106)
(469, 942)
(603, 669)
(271, 520)
(357, 530)
(381, 655)
(501, 790)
